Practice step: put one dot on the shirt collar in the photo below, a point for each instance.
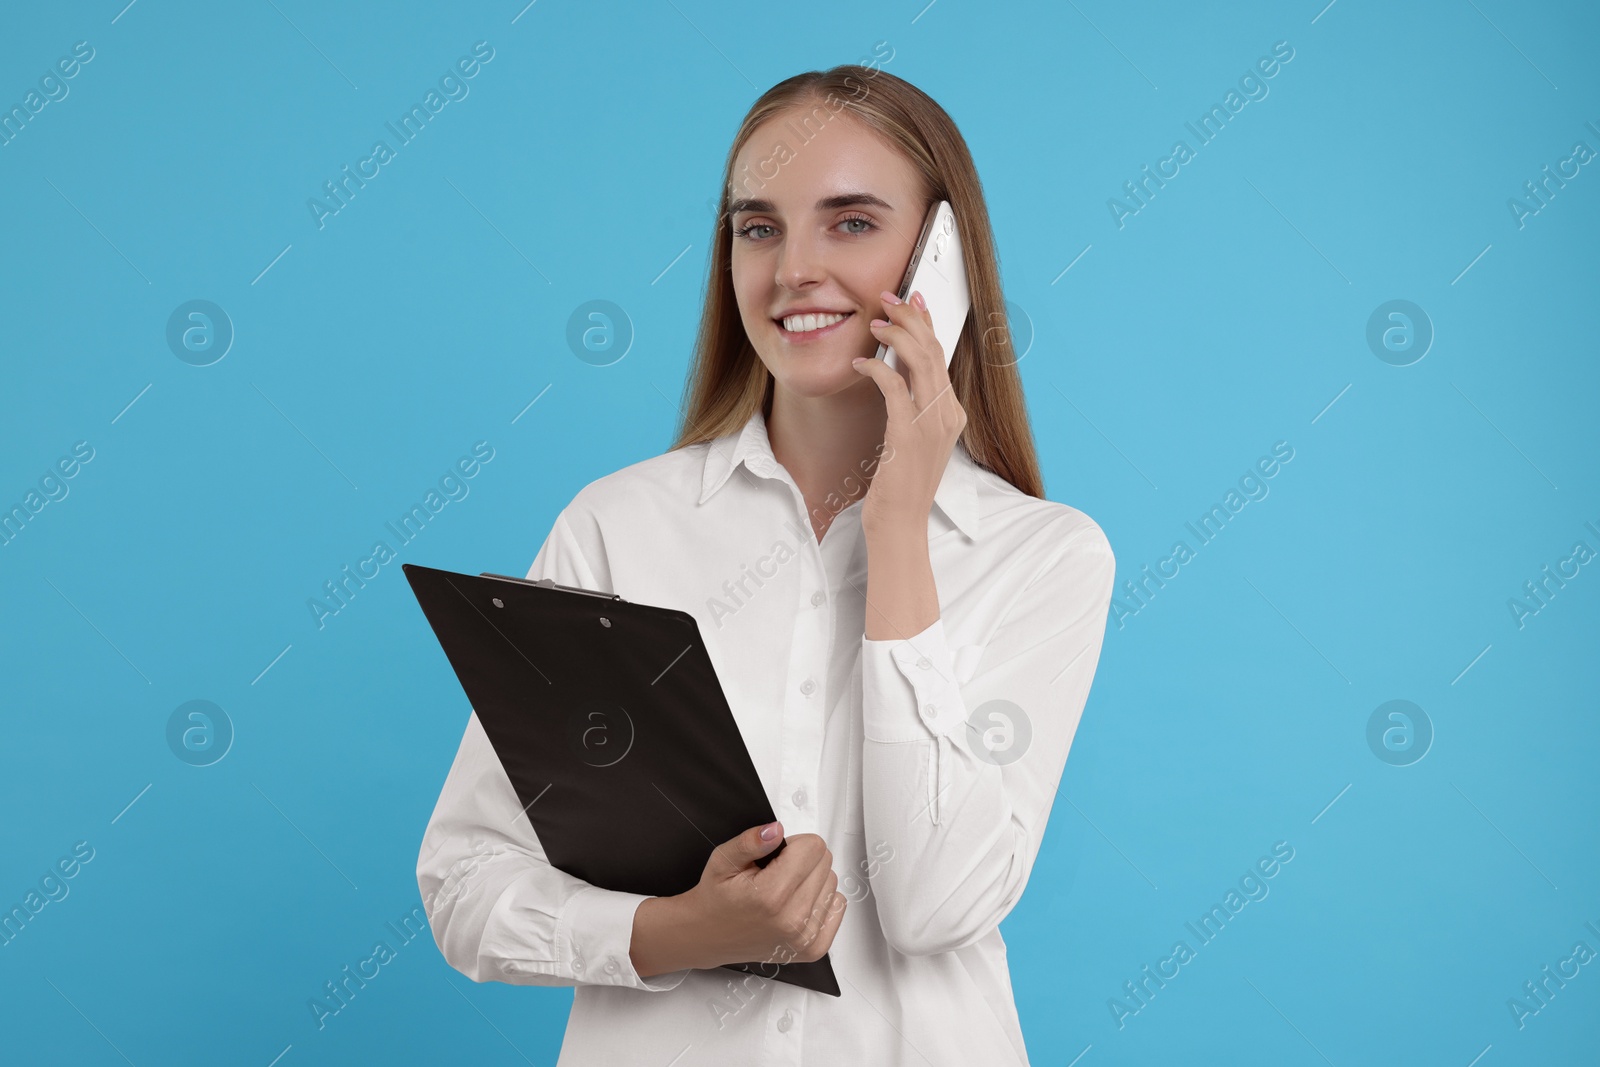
(957, 495)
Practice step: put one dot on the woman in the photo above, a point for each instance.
(905, 630)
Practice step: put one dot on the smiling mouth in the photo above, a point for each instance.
(810, 327)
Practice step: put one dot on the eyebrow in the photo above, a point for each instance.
(827, 203)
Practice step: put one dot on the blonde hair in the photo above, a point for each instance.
(728, 383)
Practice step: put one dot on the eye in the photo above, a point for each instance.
(868, 223)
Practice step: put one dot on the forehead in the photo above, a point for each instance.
(802, 154)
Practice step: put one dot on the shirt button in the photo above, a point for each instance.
(799, 798)
(808, 687)
(817, 598)
(786, 1022)
(577, 963)
(611, 965)
(928, 710)
(923, 663)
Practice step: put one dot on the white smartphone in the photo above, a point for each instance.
(939, 273)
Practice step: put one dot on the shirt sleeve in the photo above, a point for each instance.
(959, 776)
(498, 909)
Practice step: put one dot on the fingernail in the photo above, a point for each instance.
(769, 831)
(890, 297)
(916, 298)
(880, 322)
(858, 360)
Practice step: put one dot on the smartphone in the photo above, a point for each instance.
(939, 273)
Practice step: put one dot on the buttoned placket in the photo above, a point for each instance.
(804, 717)
(805, 691)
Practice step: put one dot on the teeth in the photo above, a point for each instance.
(807, 323)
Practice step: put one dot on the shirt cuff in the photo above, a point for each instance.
(593, 936)
(598, 924)
(908, 688)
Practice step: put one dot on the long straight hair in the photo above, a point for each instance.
(728, 383)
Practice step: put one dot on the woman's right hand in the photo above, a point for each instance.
(785, 912)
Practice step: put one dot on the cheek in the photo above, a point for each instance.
(747, 277)
(754, 293)
(745, 293)
(872, 276)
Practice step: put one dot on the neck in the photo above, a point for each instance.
(828, 444)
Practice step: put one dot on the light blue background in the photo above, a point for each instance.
(1228, 314)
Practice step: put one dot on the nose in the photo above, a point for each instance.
(801, 261)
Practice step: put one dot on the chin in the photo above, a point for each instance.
(818, 381)
(816, 371)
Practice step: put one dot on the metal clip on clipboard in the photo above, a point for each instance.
(550, 583)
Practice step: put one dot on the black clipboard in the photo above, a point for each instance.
(613, 728)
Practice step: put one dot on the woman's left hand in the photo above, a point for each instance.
(921, 432)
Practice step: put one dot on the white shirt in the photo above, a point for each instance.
(932, 799)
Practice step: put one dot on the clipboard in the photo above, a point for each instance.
(612, 726)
